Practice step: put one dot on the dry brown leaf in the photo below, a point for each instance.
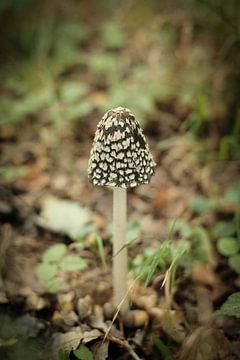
(68, 341)
(204, 274)
(91, 335)
(84, 307)
(100, 350)
(206, 343)
(142, 297)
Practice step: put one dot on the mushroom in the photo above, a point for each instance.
(120, 158)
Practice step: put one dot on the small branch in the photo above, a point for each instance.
(126, 345)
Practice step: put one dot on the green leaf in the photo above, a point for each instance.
(77, 110)
(72, 91)
(54, 253)
(104, 63)
(83, 353)
(101, 250)
(232, 306)
(199, 205)
(234, 262)
(227, 246)
(201, 247)
(112, 35)
(162, 348)
(72, 263)
(224, 229)
(53, 285)
(12, 173)
(233, 194)
(179, 226)
(63, 354)
(46, 271)
(47, 274)
(133, 231)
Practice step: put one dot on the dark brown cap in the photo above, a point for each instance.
(120, 155)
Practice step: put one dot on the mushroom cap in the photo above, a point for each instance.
(120, 155)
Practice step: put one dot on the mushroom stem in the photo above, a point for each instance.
(120, 263)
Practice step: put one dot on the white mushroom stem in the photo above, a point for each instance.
(120, 261)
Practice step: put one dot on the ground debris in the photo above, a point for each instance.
(206, 343)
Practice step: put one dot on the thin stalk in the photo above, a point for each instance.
(120, 265)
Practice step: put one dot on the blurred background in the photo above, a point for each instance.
(176, 64)
(63, 64)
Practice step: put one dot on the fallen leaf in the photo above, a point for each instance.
(7, 342)
(100, 350)
(91, 335)
(206, 343)
(170, 321)
(64, 216)
(67, 341)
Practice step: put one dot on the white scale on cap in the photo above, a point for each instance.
(120, 155)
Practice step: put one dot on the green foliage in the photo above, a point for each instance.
(227, 232)
(72, 91)
(100, 248)
(232, 194)
(112, 35)
(167, 256)
(231, 307)
(46, 272)
(55, 259)
(83, 353)
(162, 348)
(63, 354)
(197, 238)
(20, 337)
(12, 173)
(61, 48)
(228, 246)
(200, 204)
(72, 263)
(105, 64)
(234, 262)
(201, 109)
(224, 229)
(54, 253)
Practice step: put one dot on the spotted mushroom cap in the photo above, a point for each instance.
(120, 155)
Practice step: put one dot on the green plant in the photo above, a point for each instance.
(231, 307)
(83, 353)
(12, 173)
(162, 348)
(166, 257)
(197, 238)
(227, 233)
(55, 260)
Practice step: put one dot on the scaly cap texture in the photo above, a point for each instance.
(120, 155)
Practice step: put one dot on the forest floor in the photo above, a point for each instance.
(183, 317)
